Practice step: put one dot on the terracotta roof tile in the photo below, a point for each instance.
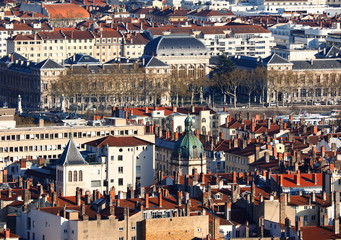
(118, 142)
(66, 11)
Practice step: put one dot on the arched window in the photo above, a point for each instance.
(70, 176)
(203, 120)
(75, 176)
(80, 174)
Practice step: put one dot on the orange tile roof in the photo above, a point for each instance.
(305, 180)
(319, 232)
(118, 142)
(66, 11)
(298, 200)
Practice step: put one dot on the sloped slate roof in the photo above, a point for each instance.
(275, 59)
(71, 155)
(333, 63)
(13, 57)
(81, 59)
(154, 62)
(48, 64)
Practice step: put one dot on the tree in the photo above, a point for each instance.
(228, 82)
(224, 76)
(261, 83)
(250, 83)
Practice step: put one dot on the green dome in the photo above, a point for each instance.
(188, 146)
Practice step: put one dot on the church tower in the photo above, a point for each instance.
(71, 170)
(188, 152)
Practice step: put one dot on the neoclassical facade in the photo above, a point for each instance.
(186, 55)
(303, 81)
(171, 65)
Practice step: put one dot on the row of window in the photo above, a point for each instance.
(43, 136)
(75, 176)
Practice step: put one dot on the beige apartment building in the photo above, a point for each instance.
(62, 44)
(49, 142)
(107, 45)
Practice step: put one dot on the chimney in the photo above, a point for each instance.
(160, 199)
(54, 199)
(7, 233)
(336, 225)
(324, 195)
(227, 211)
(179, 198)
(268, 123)
(94, 195)
(257, 154)
(147, 200)
(313, 196)
(274, 151)
(315, 129)
(331, 167)
(188, 208)
(234, 177)
(82, 209)
(78, 197)
(314, 178)
(297, 178)
(20, 182)
(51, 187)
(40, 189)
(87, 198)
(41, 122)
(253, 192)
(283, 203)
(299, 225)
(98, 194)
(323, 151)
(280, 179)
(336, 222)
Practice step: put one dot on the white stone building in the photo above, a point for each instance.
(129, 161)
(120, 162)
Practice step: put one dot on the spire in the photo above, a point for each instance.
(188, 124)
(71, 155)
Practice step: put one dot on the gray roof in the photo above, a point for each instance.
(154, 62)
(164, 144)
(71, 155)
(175, 45)
(81, 59)
(275, 59)
(12, 58)
(333, 63)
(331, 52)
(48, 64)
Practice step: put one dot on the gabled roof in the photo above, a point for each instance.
(13, 57)
(71, 155)
(154, 62)
(48, 64)
(275, 59)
